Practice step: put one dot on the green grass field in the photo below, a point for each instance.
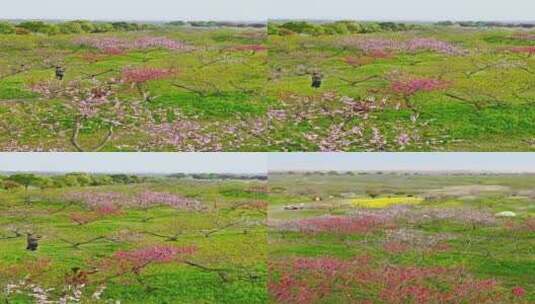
(482, 101)
(218, 248)
(212, 81)
(429, 88)
(455, 246)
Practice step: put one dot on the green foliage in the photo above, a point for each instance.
(487, 105)
(71, 28)
(75, 27)
(24, 179)
(39, 27)
(6, 28)
(343, 27)
(220, 84)
(239, 250)
(470, 235)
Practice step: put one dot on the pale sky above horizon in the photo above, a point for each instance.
(495, 162)
(259, 163)
(163, 163)
(255, 10)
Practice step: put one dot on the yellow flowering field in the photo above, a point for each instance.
(382, 202)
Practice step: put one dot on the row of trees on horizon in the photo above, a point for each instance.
(26, 180)
(84, 26)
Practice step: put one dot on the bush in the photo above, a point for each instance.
(6, 28)
(34, 26)
(303, 27)
(335, 28)
(103, 27)
(71, 28)
(22, 31)
(9, 184)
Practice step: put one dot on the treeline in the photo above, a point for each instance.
(26, 180)
(485, 24)
(216, 24)
(336, 28)
(83, 26)
(219, 176)
(71, 27)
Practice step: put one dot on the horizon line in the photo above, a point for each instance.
(131, 172)
(263, 20)
(404, 171)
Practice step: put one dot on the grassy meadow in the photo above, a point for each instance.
(158, 240)
(426, 88)
(133, 91)
(344, 86)
(413, 238)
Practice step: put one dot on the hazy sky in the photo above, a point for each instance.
(502, 162)
(259, 162)
(134, 162)
(263, 9)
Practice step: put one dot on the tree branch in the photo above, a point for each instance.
(76, 134)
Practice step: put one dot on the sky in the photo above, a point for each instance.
(256, 10)
(162, 163)
(495, 162)
(259, 163)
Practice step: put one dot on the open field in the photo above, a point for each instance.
(457, 238)
(345, 86)
(132, 240)
(159, 89)
(415, 87)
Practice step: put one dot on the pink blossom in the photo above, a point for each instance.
(312, 280)
(338, 224)
(277, 114)
(96, 199)
(136, 260)
(109, 202)
(154, 254)
(403, 139)
(141, 75)
(518, 291)
(159, 42)
(116, 46)
(385, 46)
(150, 198)
(411, 86)
(431, 44)
(530, 50)
(524, 36)
(395, 247)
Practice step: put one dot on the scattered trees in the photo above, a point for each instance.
(71, 27)
(336, 28)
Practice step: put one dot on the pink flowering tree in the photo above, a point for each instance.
(407, 86)
(139, 77)
(187, 135)
(384, 45)
(340, 224)
(97, 213)
(93, 105)
(134, 262)
(347, 124)
(146, 200)
(528, 51)
(361, 280)
(119, 46)
(111, 203)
